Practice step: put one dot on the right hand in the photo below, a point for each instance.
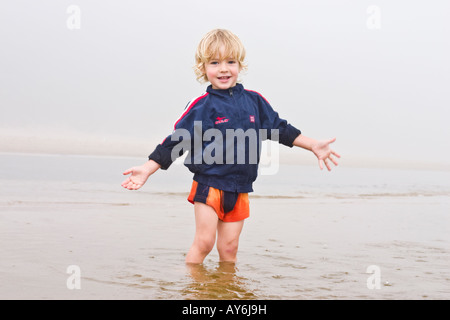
(139, 176)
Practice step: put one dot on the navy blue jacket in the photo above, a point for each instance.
(218, 159)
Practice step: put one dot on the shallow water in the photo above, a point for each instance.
(311, 234)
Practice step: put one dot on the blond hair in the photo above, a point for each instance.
(210, 47)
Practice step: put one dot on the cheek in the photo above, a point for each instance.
(235, 71)
(210, 72)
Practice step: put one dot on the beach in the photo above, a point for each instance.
(311, 234)
(90, 88)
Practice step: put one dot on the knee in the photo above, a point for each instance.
(228, 250)
(205, 244)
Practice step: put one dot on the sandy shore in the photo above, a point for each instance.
(311, 234)
(133, 248)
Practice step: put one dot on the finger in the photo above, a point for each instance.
(335, 154)
(331, 140)
(135, 186)
(320, 165)
(132, 186)
(125, 182)
(333, 160)
(128, 171)
(128, 184)
(327, 164)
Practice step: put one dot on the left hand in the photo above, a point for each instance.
(324, 153)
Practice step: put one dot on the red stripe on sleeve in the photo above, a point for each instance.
(193, 103)
(259, 95)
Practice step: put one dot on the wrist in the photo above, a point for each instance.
(304, 142)
(151, 166)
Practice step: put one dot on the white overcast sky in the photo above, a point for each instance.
(127, 71)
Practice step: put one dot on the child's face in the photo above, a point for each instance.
(222, 73)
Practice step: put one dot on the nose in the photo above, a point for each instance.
(223, 66)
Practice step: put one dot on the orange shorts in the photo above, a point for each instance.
(221, 202)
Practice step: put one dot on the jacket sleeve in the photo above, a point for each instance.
(270, 120)
(164, 153)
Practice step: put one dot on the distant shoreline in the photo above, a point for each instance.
(84, 145)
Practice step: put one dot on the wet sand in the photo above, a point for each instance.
(309, 238)
(290, 249)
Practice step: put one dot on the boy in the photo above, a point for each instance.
(223, 169)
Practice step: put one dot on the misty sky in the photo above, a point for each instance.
(379, 83)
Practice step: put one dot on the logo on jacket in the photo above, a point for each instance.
(252, 118)
(221, 120)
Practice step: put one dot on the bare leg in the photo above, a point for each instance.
(228, 239)
(205, 233)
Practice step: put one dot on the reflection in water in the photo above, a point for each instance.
(221, 283)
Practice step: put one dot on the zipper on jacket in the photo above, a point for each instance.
(230, 91)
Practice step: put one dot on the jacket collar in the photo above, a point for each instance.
(234, 91)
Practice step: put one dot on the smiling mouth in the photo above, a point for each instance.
(224, 78)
